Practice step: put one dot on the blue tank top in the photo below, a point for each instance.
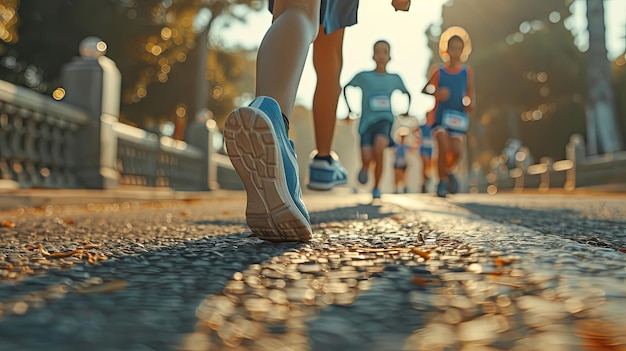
(457, 85)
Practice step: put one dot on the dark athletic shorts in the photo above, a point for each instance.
(382, 128)
(335, 14)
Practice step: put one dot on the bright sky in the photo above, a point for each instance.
(409, 52)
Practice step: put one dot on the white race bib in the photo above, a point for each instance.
(380, 103)
(454, 120)
(427, 142)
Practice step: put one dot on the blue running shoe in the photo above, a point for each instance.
(324, 175)
(376, 193)
(442, 189)
(454, 184)
(265, 159)
(363, 175)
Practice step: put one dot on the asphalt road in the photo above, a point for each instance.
(413, 272)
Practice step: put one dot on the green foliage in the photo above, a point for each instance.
(153, 42)
(530, 77)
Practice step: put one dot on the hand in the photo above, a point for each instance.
(352, 115)
(468, 103)
(442, 94)
(401, 5)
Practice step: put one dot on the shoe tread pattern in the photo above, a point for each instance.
(271, 214)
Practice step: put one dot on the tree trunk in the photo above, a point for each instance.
(601, 98)
(201, 87)
(201, 99)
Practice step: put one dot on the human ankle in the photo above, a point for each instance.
(327, 158)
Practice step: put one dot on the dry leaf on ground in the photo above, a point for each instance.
(423, 254)
(105, 287)
(7, 224)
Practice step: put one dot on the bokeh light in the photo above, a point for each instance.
(92, 47)
(58, 93)
(554, 17)
(166, 33)
(181, 111)
(466, 101)
(142, 92)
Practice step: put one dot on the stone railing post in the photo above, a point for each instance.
(93, 82)
(545, 176)
(200, 133)
(575, 151)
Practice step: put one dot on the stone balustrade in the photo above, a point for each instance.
(79, 143)
(577, 170)
(37, 138)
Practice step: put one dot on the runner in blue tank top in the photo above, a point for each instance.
(456, 83)
(452, 84)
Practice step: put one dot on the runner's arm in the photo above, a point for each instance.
(471, 92)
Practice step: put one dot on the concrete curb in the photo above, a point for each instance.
(46, 197)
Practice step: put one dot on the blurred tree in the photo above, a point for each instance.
(619, 81)
(602, 132)
(527, 74)
(160, 47)
(8, 23)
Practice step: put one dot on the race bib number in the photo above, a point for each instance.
(456, 121)
(427, 142)
(380, 103)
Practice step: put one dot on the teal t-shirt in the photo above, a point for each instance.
(376, 101)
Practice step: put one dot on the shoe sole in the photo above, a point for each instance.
(363, 179)
(271, 212)
(324, 185)
(454, 185)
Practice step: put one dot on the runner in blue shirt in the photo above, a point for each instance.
(376, 115)
(425, 141)
(401, 161)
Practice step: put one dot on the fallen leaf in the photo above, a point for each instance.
(106, 287)
(87, 245)
(45, 253)
(8, 224)
(500, 261)
(423, 254)
(599, 335)
(65, 254)
(376, 249)
(419, 280)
